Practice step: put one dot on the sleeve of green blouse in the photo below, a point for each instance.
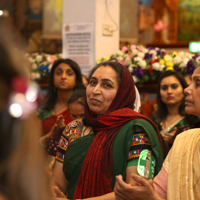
(71, 132)
(44, 114)
(40, 113)
(140, 142)
(63, 144)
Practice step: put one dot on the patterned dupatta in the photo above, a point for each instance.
(95, 178)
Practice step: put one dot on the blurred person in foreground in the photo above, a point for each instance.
(22, 170)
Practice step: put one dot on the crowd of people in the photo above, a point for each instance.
(88, 139)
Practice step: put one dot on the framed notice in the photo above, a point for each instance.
(78, 44)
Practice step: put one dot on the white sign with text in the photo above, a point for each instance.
(78, 44)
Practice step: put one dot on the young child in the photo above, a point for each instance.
(76, 104)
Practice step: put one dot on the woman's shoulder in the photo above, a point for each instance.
(153, 117)
(192, 133)
(75, 127)
(180, 122)
(75, 124)
(139, 122)
(137, 126)
(44, 113)
(143, 126)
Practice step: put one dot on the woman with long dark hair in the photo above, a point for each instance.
(65, 77)
(170, 99)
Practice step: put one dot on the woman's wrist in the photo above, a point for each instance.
(47, 138)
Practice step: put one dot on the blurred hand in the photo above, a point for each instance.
(58, 193)
(46, 138)
(60, 121)
(143, 191)
(169, 137)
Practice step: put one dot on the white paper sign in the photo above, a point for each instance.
(78, 44)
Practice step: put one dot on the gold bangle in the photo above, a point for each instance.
(40, 140)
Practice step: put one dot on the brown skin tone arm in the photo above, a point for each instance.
(59, 183)
(110, 196)
(144, 189)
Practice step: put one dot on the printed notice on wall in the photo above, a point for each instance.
(78, 44)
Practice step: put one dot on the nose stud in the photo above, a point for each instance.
(100, 76)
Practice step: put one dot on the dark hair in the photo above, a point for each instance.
(162, 111)
(77, 95)
(52, 94)
(115, 65)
